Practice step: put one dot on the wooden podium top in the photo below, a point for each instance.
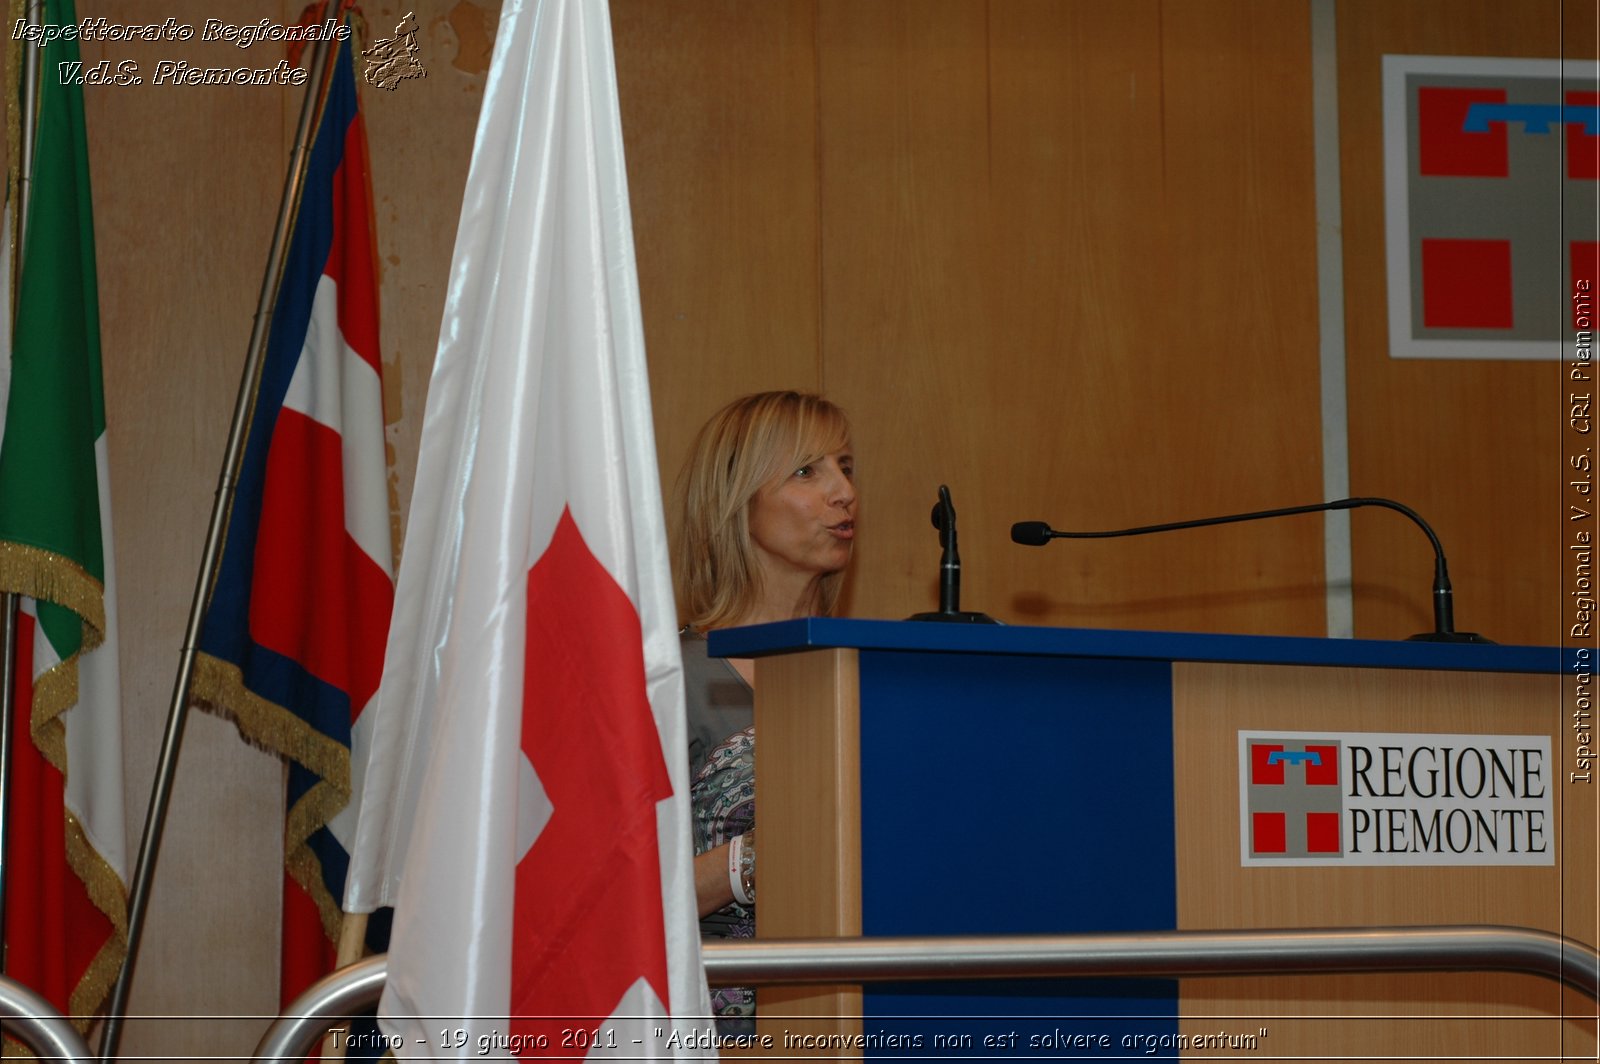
(828, 632)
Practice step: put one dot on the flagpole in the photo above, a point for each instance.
(177, 711)
(29, 84)
(8, 712)
(352, 947)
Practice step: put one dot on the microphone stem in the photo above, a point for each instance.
(1444, 610)
(950, 559)
(1443, 596)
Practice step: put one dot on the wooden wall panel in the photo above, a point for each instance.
(1473, 446)
(420, 138)
(719, 120)
(906, 250)
(1068, 270)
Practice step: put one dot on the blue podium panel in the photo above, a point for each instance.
(1015, 795)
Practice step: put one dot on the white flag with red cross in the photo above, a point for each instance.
(531, 711)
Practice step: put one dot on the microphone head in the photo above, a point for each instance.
(1030, 533)
(942, 508)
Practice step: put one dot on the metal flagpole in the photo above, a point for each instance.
(9, 603)
(8, 712)
(177, 711)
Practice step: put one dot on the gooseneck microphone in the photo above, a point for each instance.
(1037, 534)
(944, 519)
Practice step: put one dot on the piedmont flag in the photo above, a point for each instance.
(533, 682)
(292, 645)
(66, 865)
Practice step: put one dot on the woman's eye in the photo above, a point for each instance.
(804, 471)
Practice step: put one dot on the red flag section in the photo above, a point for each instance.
(53, 930)
(588, 910)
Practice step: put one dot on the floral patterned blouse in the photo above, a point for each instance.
(724, 802)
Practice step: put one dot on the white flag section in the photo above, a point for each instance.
(531, 711)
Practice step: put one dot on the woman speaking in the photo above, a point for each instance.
(765, 518)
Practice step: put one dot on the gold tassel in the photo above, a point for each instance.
(219, 688)
(303, 865)
(52, 577)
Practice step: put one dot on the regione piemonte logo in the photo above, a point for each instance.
(1293, 798)
(1490, 172)
(1395, 798)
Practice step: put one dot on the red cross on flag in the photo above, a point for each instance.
(531, 710)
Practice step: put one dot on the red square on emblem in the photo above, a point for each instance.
(1583, 149)
(1447, 150)
(1325, 773)
(1268, 833)
(1261, 771)
(1466, 284)
(1322, 832)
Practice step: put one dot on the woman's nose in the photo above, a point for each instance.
(842, 492)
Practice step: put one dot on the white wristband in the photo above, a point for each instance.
(736, 871)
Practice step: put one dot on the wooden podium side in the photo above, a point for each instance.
(808, 828)
(1366, 1016)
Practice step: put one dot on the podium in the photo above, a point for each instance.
(940, 779)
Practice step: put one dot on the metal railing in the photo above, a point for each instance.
(33, 1021)
(1164, 954)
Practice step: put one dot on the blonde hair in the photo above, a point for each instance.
(744, 446)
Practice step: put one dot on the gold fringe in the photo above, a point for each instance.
(49, 734)
(105, 887)
(110, 896)
(219, 688)
(97, 981)
(54, 692)
(103, 970)
(314, 809)
(52, 577)
(303, 865)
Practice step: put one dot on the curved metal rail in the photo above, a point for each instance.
(30, 1019)
(1168, 954)
(1156, 955)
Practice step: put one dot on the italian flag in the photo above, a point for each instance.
(66, 904)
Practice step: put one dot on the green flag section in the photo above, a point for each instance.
(50, 530)
(66, 921)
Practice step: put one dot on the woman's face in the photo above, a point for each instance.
(803, 522)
